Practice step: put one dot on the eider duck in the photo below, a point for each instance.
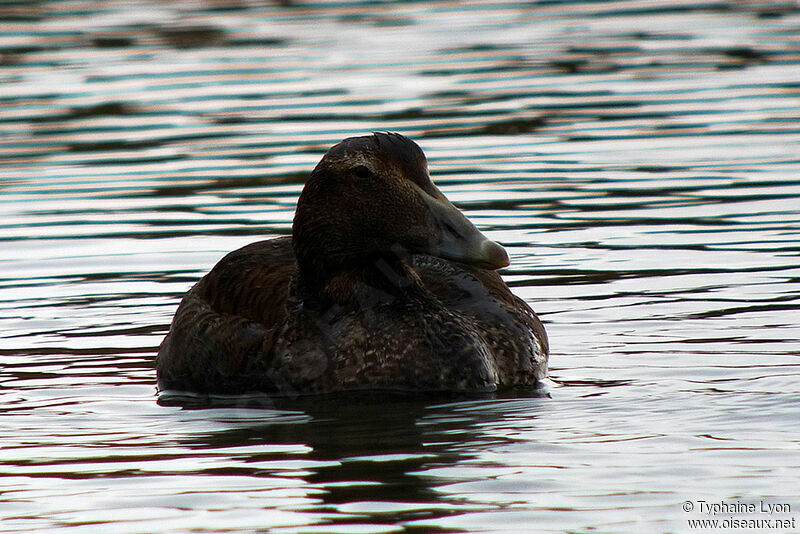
(384, 285)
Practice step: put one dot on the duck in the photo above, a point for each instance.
(383, 285)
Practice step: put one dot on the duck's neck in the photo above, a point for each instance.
(356, 281)
(337, 262)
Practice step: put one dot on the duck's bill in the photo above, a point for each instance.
(457, 239)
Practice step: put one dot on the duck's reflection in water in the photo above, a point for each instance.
(364, 456)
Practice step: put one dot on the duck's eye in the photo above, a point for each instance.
(363, 172)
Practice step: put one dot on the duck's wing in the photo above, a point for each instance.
(222, 334)
(513, 331)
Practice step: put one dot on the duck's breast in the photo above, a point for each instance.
(402, 344)
(514, 334)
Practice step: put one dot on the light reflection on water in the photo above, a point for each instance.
(639, 161)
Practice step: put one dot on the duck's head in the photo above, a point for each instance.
(372, 196)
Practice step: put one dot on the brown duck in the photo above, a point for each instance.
(383, 285)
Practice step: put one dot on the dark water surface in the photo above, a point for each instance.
(640, 161)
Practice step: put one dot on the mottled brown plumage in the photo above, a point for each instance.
(383, 285)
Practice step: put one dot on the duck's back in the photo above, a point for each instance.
(225, 327)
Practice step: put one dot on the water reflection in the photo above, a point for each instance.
(365, 461)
